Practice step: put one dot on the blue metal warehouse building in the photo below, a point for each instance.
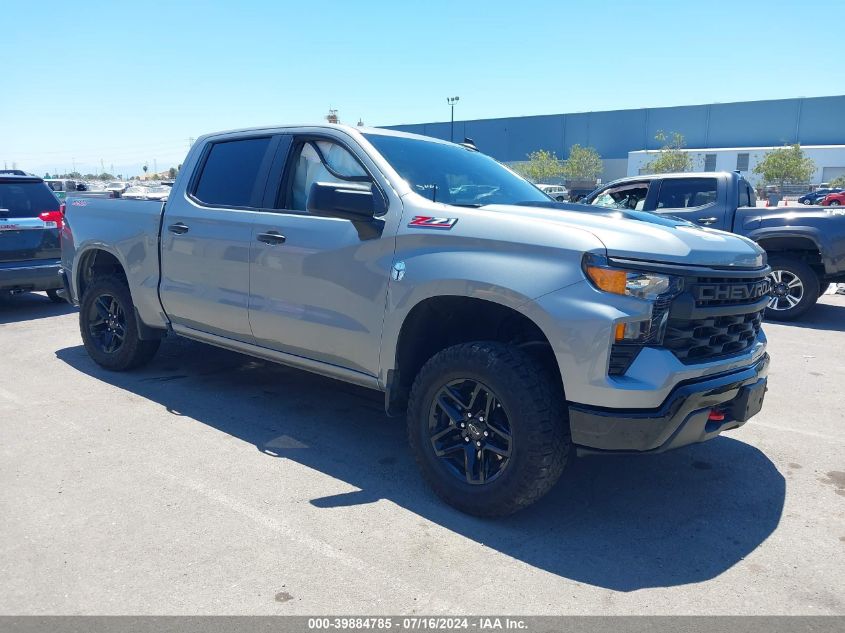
(809, 121)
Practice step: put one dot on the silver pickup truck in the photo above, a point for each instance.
(512, 329)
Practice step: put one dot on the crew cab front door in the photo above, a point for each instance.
(318, 284)
(206, 238)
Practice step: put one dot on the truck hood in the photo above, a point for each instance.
(647, 236)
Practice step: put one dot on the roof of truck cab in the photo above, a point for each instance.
(328, 126)
(680, 174)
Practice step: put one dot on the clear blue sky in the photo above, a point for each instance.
(129, 82)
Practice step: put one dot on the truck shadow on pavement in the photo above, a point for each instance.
(28, 306)
(622, 522)
(824, 315)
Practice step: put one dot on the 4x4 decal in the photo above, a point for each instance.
(427, 222)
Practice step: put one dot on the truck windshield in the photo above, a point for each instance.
(453, 174)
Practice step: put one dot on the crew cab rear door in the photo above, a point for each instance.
(697, 199)
(318, 283)
(206, 237)
(24, 236)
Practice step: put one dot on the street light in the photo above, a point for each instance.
(452, 101)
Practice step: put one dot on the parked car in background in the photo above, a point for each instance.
(806, 247)
(508, 328)
(158, 192)
(135, 192)
(117, 187)
(61, 188)
(580, 190)
(557, 192)
(833, 199)
(30, 221)
(815, 197)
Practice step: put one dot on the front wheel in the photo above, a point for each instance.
(109, 326)
(795, 288)
(488, 428)
(835, 203)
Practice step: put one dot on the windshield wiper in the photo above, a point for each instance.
(471, 205)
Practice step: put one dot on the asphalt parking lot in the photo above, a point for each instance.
(211, 483)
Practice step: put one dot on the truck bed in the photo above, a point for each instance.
(129, 229)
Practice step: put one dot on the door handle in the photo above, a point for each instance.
(179, 228)
(271, 237)
(707, 220)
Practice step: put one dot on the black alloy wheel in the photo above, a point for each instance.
(470, 432)
(107, 323)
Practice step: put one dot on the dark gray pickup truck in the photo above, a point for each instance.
(806, 245)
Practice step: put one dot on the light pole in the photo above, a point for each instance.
(452, 101)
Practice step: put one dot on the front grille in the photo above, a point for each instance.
(699, 340)
(727, 291)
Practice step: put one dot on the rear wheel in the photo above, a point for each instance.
(835, 203)
(488, 428)
(795, 288)
(109, 326)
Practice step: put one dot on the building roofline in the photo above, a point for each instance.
(736, 149)
(645, 108)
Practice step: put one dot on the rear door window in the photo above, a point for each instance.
(686, 193)
(230, 175)
(26, 199)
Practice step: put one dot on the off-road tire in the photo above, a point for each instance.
(133, 352)
(536, 413)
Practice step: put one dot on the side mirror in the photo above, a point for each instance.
(351, 201)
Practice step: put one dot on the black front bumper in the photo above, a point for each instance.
(684, 418)
(31, 275)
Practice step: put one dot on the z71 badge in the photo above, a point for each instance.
(427, 222)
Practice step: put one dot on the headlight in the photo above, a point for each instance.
(634, 283)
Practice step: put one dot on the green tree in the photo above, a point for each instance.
(171, 173)
(584, 163)
(838, 182)
(671, 157)
(784, 165)
(541, 166)
(47, 175)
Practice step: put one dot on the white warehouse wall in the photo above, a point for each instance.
(829, 160)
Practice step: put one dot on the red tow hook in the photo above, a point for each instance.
(716, 416)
